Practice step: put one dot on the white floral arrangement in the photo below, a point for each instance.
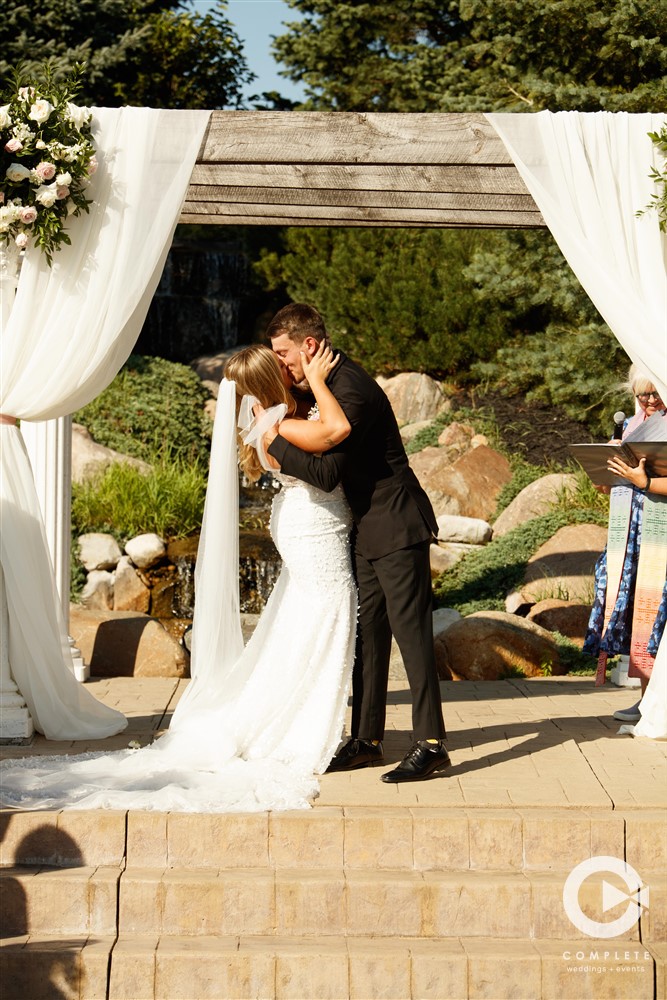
(47, 157)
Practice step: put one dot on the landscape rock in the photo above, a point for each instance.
(414, 397)
(90, 458)
(130, 593)
(570, 618)
(211, 367)
(535, 499)
(443, 618)
(410, 430)
(98, 550)
(490, 645)
(444, 555)
(145, 550)
(484, 472)
(126, 644)
(456, 439)
(563, 567)
(473, 530)
(97, 592)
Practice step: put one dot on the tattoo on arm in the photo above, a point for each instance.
(328, 441)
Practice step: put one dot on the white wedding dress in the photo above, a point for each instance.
(254, 729)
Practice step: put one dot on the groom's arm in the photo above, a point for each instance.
(323, 471)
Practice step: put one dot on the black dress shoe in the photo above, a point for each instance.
(423, 760)
(356, 753)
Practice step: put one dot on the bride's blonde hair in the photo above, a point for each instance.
(256, 372)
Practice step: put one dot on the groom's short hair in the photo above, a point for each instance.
(298, 321)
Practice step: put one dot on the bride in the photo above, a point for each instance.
(255, 725)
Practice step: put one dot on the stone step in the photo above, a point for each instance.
(363, 968)
(419, 839)
(312, 903)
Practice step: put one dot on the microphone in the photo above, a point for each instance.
(619, 417)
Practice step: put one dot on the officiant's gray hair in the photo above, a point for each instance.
(638, 381)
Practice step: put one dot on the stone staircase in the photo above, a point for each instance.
(336, 902)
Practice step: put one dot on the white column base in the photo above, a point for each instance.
(619, 674)
(79, 666)
(16, 726)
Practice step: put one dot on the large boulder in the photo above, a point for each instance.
(408, 431)
(444, 555)
(564, 567)
(570, 618)
(469, 487)
(490, 645)
(456, 440)
(98, 590)
(90, 458)
(535, 499)
(126, 644)
(442, 485)
(472, 530)
(145, 550)
(414, 396)
(130, 593)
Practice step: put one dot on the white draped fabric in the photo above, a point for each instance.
(64, 336)
(589, 176)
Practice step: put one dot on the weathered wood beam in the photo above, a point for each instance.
(350, 169)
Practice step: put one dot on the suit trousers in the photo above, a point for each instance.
(395, 597)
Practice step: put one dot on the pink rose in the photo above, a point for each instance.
(21, 241)
(62, 192)
(28, 215)
(2, 197)
(45, 171)
(13, 146)
(92, 165)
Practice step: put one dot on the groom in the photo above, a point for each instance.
(394, 524)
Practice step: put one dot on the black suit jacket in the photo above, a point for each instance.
(390, 508)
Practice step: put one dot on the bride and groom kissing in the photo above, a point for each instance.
(353, 528)
(393, 527)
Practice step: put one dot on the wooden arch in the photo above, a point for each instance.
(266, 168)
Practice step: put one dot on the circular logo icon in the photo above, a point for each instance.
(636, 897)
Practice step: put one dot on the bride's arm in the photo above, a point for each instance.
(333, 426)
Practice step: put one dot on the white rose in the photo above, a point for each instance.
(17, 172)
(40, 111)
(21, 241)
(78, 116)
(64, 180)
(5, 118)
(40, 144)
(46, 195)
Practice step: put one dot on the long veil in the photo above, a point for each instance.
(217, 641)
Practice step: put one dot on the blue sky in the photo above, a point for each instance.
(255, 21)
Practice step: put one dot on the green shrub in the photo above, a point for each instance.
(169, 500)
(151, 406)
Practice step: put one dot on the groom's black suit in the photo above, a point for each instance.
(394, 524)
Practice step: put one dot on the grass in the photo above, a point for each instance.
(169, 500)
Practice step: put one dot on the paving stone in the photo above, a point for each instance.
(50, 966)
(232, 840)
(312, 969)
(317, 843)
(502, 969)
(310, 903)
(440, 839)
(477, 904)
(132, 972)
(378, 838)
(439, 968)
(385, 903)
(147, 845)
(496, 839)
(378, 970)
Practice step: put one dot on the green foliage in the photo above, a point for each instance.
(482, 580)
(478, 55)
(168, 500)
(394, 299)
(658, 202)
(153, 406)
(78, 575)
(138, 52)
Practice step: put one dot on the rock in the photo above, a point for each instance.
(535, 499)
(442, 485)
(130, 593)
(443, 618)
(473, 530)
(414, 397)
(490, 645)
(98, 590)
(210, 407)
(563, 567)
(145, 550)
(484, 472)
(456, 440)
(570, 618)
(410, 430)
(478, 439)
(211, 368)
(90, 458)
(98, 550)
(126, 644)
(444, 555)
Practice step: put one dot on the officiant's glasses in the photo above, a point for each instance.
(644, 397)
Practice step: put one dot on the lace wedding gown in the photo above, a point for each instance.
(253, 734)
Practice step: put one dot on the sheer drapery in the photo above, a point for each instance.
(589, 176)
(63, 338)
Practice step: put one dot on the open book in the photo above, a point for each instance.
(652, 446)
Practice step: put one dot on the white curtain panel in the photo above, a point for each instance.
(64, 336)
(589, 175)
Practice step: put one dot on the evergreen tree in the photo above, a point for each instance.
(142, 52)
